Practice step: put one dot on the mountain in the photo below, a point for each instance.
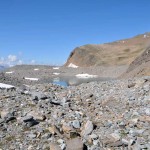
(121, 52)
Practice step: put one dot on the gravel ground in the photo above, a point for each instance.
(46, 74)
(100, 115)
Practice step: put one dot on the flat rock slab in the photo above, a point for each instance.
(75, 144)
(88, 128)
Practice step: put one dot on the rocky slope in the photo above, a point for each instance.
(110, 115)
(121, 52)
(140, 66)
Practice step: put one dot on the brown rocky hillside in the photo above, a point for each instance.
(140, 66)
(121, 52)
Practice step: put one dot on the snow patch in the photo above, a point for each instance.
(72, 65)
(85, 76)
(55, 73)
(55, 67)
(32, 79)
(9, 72)
(6, 86)
(36, 69)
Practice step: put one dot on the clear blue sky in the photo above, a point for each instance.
(48, 30)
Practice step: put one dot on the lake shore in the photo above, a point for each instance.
(33, 74)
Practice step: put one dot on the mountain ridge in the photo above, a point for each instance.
(121, 52)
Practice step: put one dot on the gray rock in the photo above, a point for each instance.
(47, 135)
(96, 142)
(2, 135)
(76, 124)
(31, 135)
(116, 144)
(63, 146)
(38, 96)
(2, 121)
(9, 117)
(94, 136)
(74, 144)
(116, 136)
(27, 118)
(31, 123)
(126, 142)
(60, 141)
(88, 128)
(147, 111)
(134, 132)
(55, 102)
(93, 147)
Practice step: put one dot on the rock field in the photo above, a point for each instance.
(108, 115)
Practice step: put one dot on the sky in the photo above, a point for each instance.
(46, 31)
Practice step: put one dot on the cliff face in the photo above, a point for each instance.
(84, 56)
(121, 52)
